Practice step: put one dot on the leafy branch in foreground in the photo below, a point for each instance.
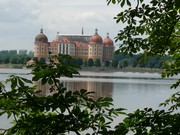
(59, 113)
(150, 122)
(152, 28)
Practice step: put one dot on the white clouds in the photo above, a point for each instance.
(88, 17)
(16, 11)
(22, 19)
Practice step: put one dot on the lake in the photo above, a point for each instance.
(130, 90)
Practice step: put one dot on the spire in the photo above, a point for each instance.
(107, 35)
(41, 31)
(96, 31)
(82, 31)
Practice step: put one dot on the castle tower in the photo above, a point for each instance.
(41, 45)
(95, 47)
(108, 49)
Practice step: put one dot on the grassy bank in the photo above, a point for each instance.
(127, 69)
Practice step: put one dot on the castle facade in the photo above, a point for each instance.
(78, 46)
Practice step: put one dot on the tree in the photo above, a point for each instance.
(1, 59)
(23, 52)
(151, 64)
(6, 60)
(80, 61)
(114, 63)
(153, 28)
(134, 64)
(85, 63)
(42, 60)
(14, 60)
(21, 60)
(31, 53)
(13, 52)
(97, 63)
(35, 59)
(125, 63)
(27, 59)
(90, 62)
(4, 52)
(62, 112)
(107, 63)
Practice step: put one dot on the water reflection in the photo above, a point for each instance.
(128, 90)
(103, 89)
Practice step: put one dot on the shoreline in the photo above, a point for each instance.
(95, 69)
(128, 69)
(16, 66)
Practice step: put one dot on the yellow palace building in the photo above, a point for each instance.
(76, 45)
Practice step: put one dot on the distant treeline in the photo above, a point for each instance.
(122, 61)
(15, 57)
(119, 60)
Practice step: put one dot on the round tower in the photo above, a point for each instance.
(95, 47)
(108, 50)
(41, 46)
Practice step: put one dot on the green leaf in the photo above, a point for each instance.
(68, 94)
(122, 3)
(26, 80)
(128, 2)
(21, 83)
(44, 80)
(50, 81)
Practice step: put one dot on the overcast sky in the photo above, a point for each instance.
(21, 20)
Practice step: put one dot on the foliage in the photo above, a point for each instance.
(150, 122)
(97, 63)
(59, 113)
(114, 63)
(35, 59)
(125, 63)
(90, 62)
(12, 57)
(154, 29)
(42, 60)
(107, 63)
(22, 52)
(137, 61)
(79, 61)
(85, 63)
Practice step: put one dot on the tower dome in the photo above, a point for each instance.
(107, 41)
(41, 37)
(96, 39)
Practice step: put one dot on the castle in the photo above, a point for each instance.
(78, 46)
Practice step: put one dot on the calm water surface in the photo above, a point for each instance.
(128, 90)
